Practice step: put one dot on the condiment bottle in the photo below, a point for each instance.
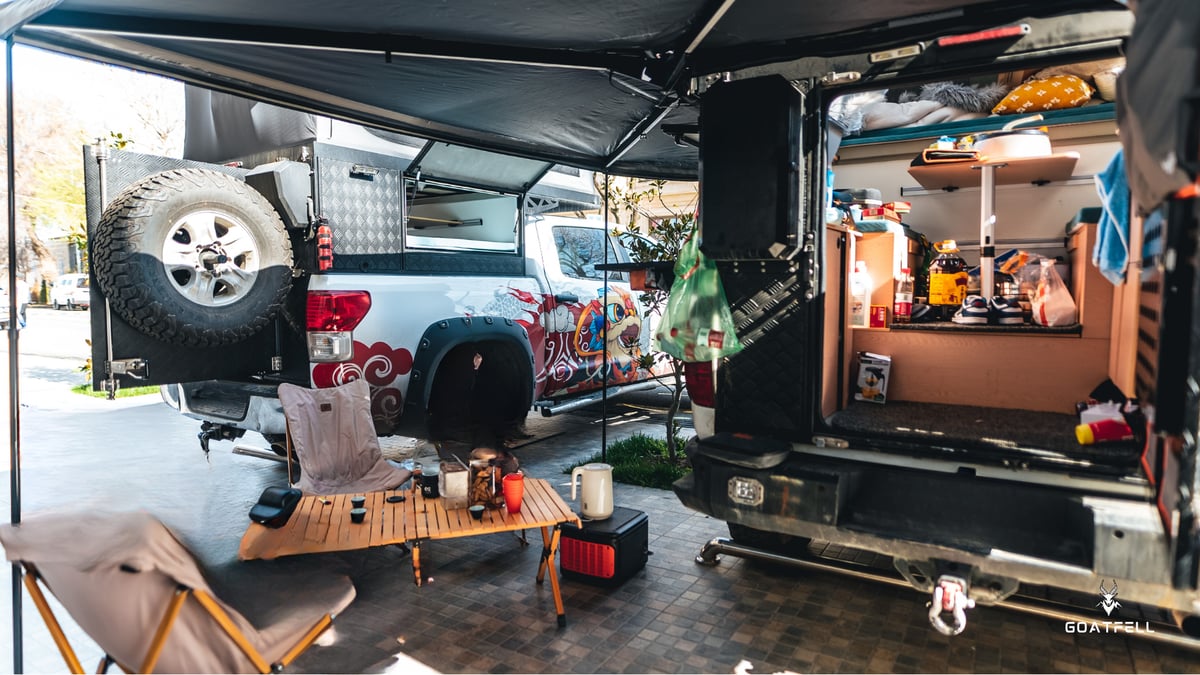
(947, 278)
(902, 308)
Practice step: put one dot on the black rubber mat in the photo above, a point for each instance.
(1023, 433)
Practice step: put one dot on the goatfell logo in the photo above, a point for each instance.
(1108, 603)
(1108, 598)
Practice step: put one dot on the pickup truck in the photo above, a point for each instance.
(439, 274)
(955, 454)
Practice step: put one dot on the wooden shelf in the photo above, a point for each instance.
(1009, 171)
(983, 329)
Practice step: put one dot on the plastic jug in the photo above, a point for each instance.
(596, 491)
(860, 295)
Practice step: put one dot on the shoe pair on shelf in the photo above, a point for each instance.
(977, 311)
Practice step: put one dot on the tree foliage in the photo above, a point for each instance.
(51, 126)
(49, 177)
(667, 227)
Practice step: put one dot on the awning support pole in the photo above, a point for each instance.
(604, 333)
(14, 397)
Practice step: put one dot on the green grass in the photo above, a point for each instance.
(86, 390)
(642, 460)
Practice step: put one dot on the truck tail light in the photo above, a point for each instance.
(701, 386)
(330, 318)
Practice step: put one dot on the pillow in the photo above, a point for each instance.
(1106, 85)
(969, 98)
(1060, 91)
(1084, 71)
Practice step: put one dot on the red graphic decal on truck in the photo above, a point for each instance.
(379, 365)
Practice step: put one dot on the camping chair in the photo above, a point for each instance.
(334, 438)
(139, 593)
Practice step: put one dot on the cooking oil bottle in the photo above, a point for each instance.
(947, 279)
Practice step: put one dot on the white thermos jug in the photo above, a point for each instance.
(596, 492)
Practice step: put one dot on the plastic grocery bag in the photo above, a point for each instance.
(697, 325)
(1051, 302)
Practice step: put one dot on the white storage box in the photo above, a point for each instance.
(453, 479)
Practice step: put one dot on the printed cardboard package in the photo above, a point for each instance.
(874, 370)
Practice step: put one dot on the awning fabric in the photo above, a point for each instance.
(575, 82)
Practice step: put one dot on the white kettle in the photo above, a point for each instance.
(596, 492)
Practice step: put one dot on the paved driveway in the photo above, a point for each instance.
(481, 611)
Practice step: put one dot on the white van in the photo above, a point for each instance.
(71, 291)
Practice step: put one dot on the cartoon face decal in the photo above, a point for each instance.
(624, 326)
(568, 339)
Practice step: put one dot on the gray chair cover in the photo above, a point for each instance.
(115, 574)
(334, 438)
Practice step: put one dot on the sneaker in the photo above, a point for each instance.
(974, 311)
(1006, 313)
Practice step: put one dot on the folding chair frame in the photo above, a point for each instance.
(32, 577)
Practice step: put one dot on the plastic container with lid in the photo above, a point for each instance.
(860, 295)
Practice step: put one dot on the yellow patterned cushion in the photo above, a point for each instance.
(1060, 91)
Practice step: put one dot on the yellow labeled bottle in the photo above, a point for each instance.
(947, 278)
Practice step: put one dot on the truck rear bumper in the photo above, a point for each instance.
(253, 407)
(1001, 530)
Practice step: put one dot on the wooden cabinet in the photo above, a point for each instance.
(886, 253)
(1045, 371)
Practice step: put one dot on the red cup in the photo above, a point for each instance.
(514, 491)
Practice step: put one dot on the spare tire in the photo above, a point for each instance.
(193, 257)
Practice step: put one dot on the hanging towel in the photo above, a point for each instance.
(1111, 254)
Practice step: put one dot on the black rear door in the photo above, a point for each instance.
(1161, 140)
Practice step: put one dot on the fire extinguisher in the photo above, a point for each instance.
(324, 246)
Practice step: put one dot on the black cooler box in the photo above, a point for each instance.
(606, 551)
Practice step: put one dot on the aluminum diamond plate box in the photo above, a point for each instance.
(363, 202)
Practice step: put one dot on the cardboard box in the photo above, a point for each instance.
(878, 316)
(880, 213)
(874, 371)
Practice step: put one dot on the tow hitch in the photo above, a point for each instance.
(950, 597)
(217, 432)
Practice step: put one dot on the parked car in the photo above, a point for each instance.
(71, 291)
(22, 304)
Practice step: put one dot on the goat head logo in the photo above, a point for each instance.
(1108, 598)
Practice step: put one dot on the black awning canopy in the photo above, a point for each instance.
(572, 82)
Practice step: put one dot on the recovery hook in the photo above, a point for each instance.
(950, 596)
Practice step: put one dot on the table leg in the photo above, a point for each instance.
(546, 537)
(416, 562)
(550, 547)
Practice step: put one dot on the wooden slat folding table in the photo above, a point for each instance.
(321, 524)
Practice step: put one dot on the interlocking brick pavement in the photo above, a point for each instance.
(482, 612)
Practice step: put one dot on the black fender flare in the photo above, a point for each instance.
(442, 336)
